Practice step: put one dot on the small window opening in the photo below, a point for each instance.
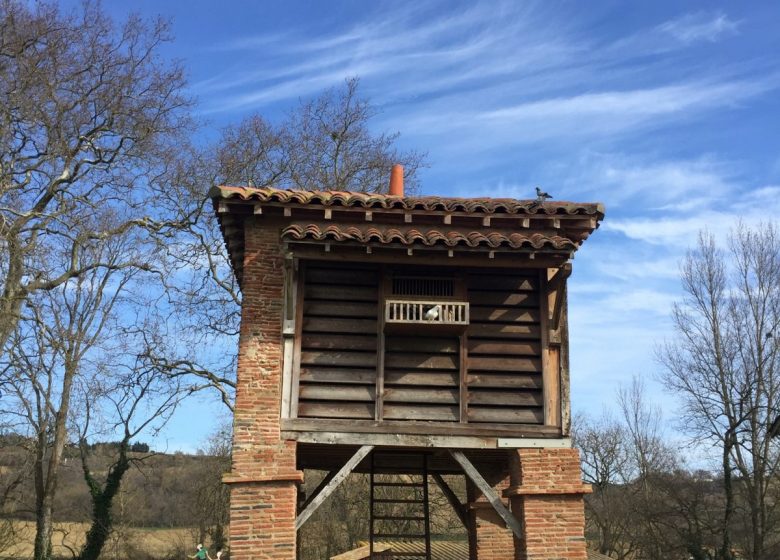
(420, 286)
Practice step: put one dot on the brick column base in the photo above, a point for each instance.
(262, 520)
(546, 492)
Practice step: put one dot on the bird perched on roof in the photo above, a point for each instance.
(433, 313)
(541, 196)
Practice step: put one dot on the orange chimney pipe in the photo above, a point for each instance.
(397, 180)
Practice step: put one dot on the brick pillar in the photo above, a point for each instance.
(547, 495)
(263, 476)
(489, 537)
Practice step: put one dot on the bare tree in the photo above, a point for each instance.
(90, 121)
(324, 143)
(133, 399)
(60, 330)
(604, 451)
(724, 366)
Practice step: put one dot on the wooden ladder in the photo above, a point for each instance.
(399, 503)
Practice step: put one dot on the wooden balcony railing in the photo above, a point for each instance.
(426, 312)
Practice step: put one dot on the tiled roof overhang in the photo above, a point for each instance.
(419, 203)
(425, 236)
(487, 226)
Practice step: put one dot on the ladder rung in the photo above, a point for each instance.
(399, 536)
(389, 501)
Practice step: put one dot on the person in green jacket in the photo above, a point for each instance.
(201, 554)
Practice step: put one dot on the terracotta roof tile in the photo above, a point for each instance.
(423, 203)
(426, 236)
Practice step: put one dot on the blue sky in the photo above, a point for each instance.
(667, 112)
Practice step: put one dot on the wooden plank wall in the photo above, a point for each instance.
(501, 361)
(338, 341)
(422, 378)
(504, 348)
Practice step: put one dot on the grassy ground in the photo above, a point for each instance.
(151, 542)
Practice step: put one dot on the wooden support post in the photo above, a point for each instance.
(503, 511)
(288, 333)
(463, 366)
(334, 483)
(451, 498)
(379, 393)
(316, 492)
(296, 363)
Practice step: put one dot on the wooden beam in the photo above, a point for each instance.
(258, 209)
(332, 484)
(406, 427)
(394, 439)
(460, 510)
(487, 490)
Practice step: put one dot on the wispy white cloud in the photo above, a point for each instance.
(571, 117)
(694, 27)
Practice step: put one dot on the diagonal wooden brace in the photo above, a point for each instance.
(334, 483)
(510, 520)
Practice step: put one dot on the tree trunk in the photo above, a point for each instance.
(728, 489)
(43, 530)
(102, 501)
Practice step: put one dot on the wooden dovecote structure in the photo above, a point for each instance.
(429, 326)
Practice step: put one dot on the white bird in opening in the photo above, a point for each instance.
(433, 313)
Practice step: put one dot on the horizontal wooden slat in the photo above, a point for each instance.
(506, 415)
(435, 379)
(340, 276)
(504, 314)
(421, 344)
(518, 331)
(333, 358)
(340, 309)
(337, 393)
(337, 375)
(421, 361)
(505, 398)
(484, 363)
(522, 299)
(498, 282)
(343, 326)
(336, 410)
(505, 381)
(506, 348)
(402, 412)
(339, 342)
(432, 396)
(345, 293)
